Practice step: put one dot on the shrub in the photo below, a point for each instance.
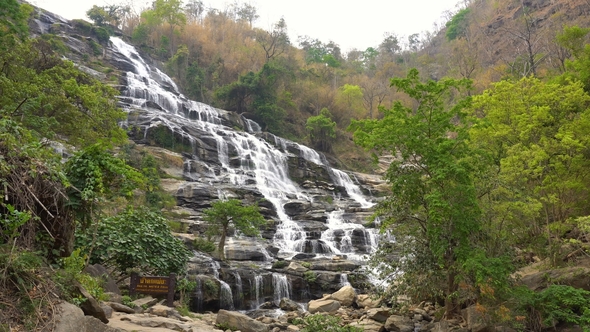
(320, 322)
(310, 276)
(279, 264)
(557, 304)
(204, 245)
(136, 238)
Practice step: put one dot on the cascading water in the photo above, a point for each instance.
(281, 287)
(242, 159)
(239, 291)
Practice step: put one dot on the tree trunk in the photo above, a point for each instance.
(221, 245)
(451, 305)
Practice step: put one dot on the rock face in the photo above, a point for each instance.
(578, 277)
(240, 322)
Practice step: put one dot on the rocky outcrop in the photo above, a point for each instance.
(238, 321)
(575, 276)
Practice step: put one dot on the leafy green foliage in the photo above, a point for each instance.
(55, 99)
(433, 195)
(135, 239)
(322, 130)
(72, 271)
(203, 245)
(321, 322)
(256, 93)
(457, 25)
(557, 304)
(534, 135)
(95, 174)
(13, 22)
(222, 214)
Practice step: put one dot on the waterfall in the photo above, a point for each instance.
(238, 299)
(281, 287)
(226, 300)
(259, 287)
(218, 156)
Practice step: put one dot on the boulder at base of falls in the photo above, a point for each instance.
(239, 321)
(323, 305)
(345, 295)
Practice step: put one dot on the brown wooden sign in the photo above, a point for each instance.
(153, 286)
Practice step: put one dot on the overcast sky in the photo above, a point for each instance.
(351, 24)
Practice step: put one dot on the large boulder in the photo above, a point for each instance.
(346, 296)
(240, 321)
(397, 323)
(367, 301)
(90, 306)
(68, 318)
(323, 305)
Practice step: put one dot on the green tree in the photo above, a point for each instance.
(96, 175)
(535, 134)
(457, 24)
(256, 93)
(433, 196)
(137, 238)
(223, 214)
(322, 130)
(13, 22)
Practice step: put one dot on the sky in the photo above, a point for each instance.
(351, 24)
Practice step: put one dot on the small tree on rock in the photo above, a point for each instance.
(222, 214)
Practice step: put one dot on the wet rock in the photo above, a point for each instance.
(289, 305)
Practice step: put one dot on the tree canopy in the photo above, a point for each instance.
(224, 214)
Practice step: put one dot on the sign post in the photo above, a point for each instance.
(154, 286)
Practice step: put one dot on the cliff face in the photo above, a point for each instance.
(318, 215)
